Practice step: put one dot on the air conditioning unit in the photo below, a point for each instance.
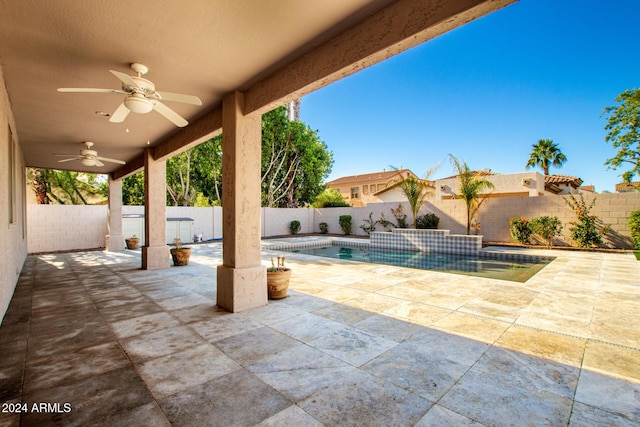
(526, 182)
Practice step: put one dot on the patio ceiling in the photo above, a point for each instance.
(272, 50)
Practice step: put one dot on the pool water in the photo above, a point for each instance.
(516, 268)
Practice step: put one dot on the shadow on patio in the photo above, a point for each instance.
(353, 344)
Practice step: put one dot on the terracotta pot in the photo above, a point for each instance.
(278, 283)
(180, 256)
(132, 242)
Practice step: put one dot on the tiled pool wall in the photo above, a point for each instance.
(426, 241)
(318, 243)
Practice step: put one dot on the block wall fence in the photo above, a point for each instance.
(69, 227)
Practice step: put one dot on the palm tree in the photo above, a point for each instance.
(471, 185)
(546, 152)
(416, 190)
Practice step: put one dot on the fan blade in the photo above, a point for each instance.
(169, 114)
(106, 159)
(97, 162)
(120, 114)
(89, 90)
(178, 97)
(124, 78)
(69, 159)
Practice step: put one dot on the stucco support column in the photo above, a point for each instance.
(115, 239)
(242, 279)
(155, 252)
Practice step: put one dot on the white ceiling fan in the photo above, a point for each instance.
(141, 96)
(88, 157)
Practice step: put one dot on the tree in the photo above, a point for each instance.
(623, 132)
(179, 189)
(133, 189)
(329, 196)
(471, 185)
(416, 190)
(294, 161)
(546, 153)
(66, 187)
(207, 169)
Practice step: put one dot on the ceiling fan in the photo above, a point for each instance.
(141, 96)
(88, 157)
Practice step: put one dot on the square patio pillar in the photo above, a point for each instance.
(155, 252)
(242, 279)
(115, 239)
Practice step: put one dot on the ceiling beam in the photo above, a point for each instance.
(195, 133)
(396, 28)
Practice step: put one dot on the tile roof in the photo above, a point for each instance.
(479, 173)
(623, 186)
(374, 176)
(574, 181)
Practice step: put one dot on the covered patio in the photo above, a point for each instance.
(352, 344)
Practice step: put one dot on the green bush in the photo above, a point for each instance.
(345, 224)
(521, 230)
(634, 227)
(547, 227)
(294, 227)
(585, 232)
(336, 205)
(428, 221)
(324, 227)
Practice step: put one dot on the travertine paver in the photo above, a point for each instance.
(352, 344)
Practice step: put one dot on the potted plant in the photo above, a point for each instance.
(278, 279)
(132, 242)
(179, 253)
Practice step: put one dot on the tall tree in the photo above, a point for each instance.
(544, 154)
(294, 161)
(180, 192)
(471, 186)
(623, 132)
(207, 169)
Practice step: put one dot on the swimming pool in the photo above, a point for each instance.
(516, 268)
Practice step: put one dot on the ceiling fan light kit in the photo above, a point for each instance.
(137, 103)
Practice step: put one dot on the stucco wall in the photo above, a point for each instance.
(66, 227)
(13, 247)
(531, 183)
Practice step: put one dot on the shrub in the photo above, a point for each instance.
(336, 205)
(345, 224)
(369, 224)
(324, 227)
(547, 227)
(634, 227)
(520, 229)
(294, 227)
(401, 217)
(585, 232)
(428, 221)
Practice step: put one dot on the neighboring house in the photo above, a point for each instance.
(394, 193)
(623, 187)
(359, 190)
(525, 184)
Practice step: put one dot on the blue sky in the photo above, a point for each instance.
(488, 91)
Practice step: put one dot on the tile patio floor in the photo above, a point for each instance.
(353, 344)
